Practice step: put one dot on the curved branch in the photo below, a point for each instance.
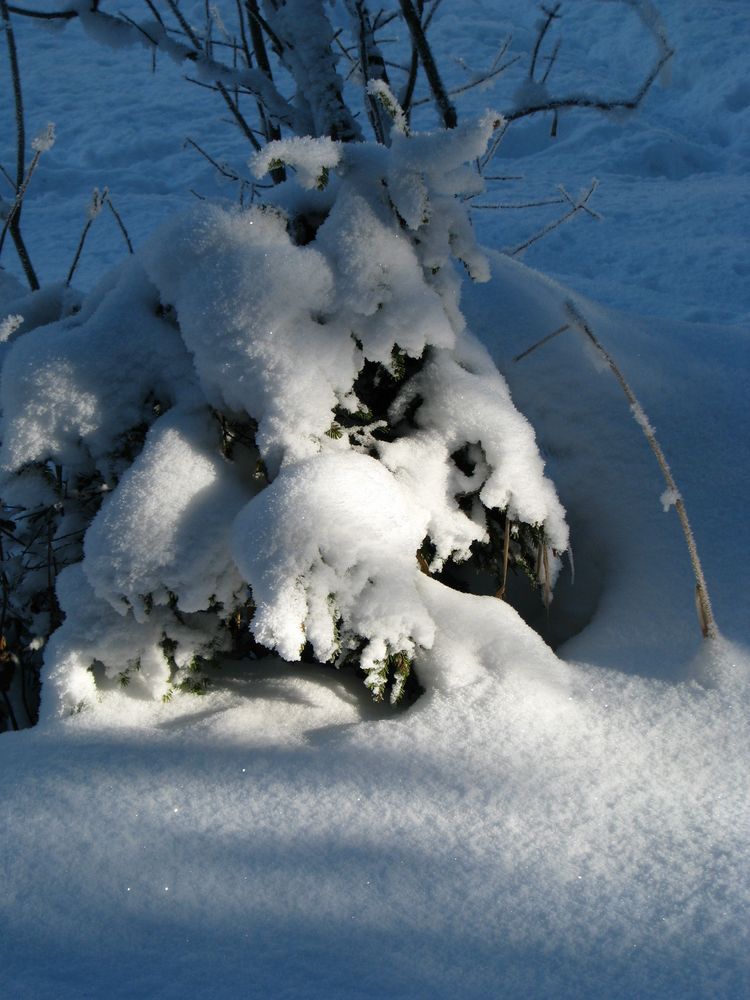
(44, 15)
(596, 103)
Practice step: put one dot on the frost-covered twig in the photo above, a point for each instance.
(576, 206)
(271, 129)
(592, 101)
(703, 601)
(13, 222)
(552, 15)
(120, 223)
(502, 206)
(95, 206)
(373, 69)
(121, 31)
(475, 81)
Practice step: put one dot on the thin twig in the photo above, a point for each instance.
(15, 208)
(552, 60)
(577, 207)
(475, 82)
(97, 204)
(44, 15)
(552, 15)
(149, 38)
(506, 552)
(439, 93)
(238, 116)
(11, 713)
(520, 204)
(540, 343)
(594, 103)
(13, 222)
(120, 224)
(705, 612)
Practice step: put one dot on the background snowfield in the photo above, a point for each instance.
(536, 825)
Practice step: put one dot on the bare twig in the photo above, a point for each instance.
(476, 81)
(120, 223)
(155, 11)
(7, 176)
(519, 204)
(594, 103)
(182, 21)
(256, 82)
(44, 15)
(506, 552)
(540, 343)
(705, 612)
(373, 68)
(231, 175)
(578, 206)
(552, 60)
(98, 201)
(238, 116)
(149, 38)
(419, 39)
(13, 222)
(41, 143)
(552, 15)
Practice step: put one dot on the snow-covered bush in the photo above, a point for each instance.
(285, 419)
(262, 429)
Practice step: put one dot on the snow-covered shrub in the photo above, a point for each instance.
(269, 423)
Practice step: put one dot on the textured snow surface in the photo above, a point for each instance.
(334, 537)
(536, 827)
(552, 830)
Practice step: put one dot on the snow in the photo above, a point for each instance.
(346, 552)
(165, 528)
(537, 824)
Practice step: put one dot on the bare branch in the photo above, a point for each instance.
(540, 343)
(521, 204)
(373, 68)
(419, 39)
(552, 60)
(120, 223)
(223, 170)
(703, 601)
(595, 103)
(155, 11)
(44, 15)
(258, 83)
(13, 222)
(552, 15)
(238, 116)
(98, 201)
(475, 82)
(578, 206)
(7, 176)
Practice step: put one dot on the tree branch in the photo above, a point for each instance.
(419, 40)
(13, 222)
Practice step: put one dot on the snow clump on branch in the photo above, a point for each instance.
(271, 421)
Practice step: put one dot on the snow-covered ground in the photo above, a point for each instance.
(537, 825)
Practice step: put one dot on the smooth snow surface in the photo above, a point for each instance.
(536, 826)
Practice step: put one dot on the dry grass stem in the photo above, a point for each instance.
(705, 612)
